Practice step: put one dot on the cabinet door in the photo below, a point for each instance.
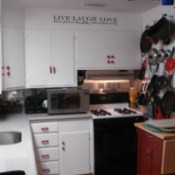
(107, 50)
(0, 53)
(149, 154)
(38, 58)
(63, 58)
(75, 153)
(13, 58)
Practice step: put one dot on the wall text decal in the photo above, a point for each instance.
(85, 20)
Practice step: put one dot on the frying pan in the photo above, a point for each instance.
(168, 102)
(170, 63)
(161, 82)
(145, 44)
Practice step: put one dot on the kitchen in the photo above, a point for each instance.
(38, 37)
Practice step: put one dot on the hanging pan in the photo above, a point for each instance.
(145, 44)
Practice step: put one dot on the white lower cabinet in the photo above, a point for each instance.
(75, 152)
(65, 147)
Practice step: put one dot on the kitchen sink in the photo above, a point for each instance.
(10, 137)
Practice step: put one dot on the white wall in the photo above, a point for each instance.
(43, 18)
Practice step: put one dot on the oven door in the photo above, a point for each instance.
(115, 146)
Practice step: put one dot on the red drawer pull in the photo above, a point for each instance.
(45, 129)
(54, 70)
(50, 70)
(45, 156)
(46, 170)
(45, 141)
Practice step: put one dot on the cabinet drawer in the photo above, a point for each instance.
(44, 127)
(147, 138)
(49, 168)
(47, 154)
(46, 140)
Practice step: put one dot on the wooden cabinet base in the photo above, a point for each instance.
(168, 159)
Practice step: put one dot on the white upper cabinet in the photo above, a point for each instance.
(13, 57)
(38, 58)
(50, 58)
(0, 53)
(108, 50)
(63, 58)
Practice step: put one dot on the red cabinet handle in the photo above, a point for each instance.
(3, 67)
(8, 67)
(45, 129)
(50, 69)
(112, 62)
(46, 170)
(63, 148)
(8, 73)
(63, 143)
(108, 62)
(45, 141)
(54, 70)
(45, 156)
(112, 56)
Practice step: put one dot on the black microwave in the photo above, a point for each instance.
(66, 101)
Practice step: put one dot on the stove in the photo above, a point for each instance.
(117, 110)
(115, 137)
(112, 105)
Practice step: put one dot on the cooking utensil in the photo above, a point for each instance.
(141, 75)
(142, 100)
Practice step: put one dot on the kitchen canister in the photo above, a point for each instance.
(167, 2)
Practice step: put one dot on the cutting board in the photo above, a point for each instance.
(166, 125)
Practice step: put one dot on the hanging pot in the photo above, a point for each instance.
(152, 57)
(161, 56)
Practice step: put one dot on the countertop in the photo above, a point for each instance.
(161, 135)
(18, 156)
(21, 156)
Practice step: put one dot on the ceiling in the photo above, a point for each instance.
(97, 5)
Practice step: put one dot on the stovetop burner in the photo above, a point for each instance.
(100, 112)
(124, 111)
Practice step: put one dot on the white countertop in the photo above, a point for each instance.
(18, 156)
(21, 156)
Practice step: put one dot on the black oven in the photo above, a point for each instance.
(115, 144)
